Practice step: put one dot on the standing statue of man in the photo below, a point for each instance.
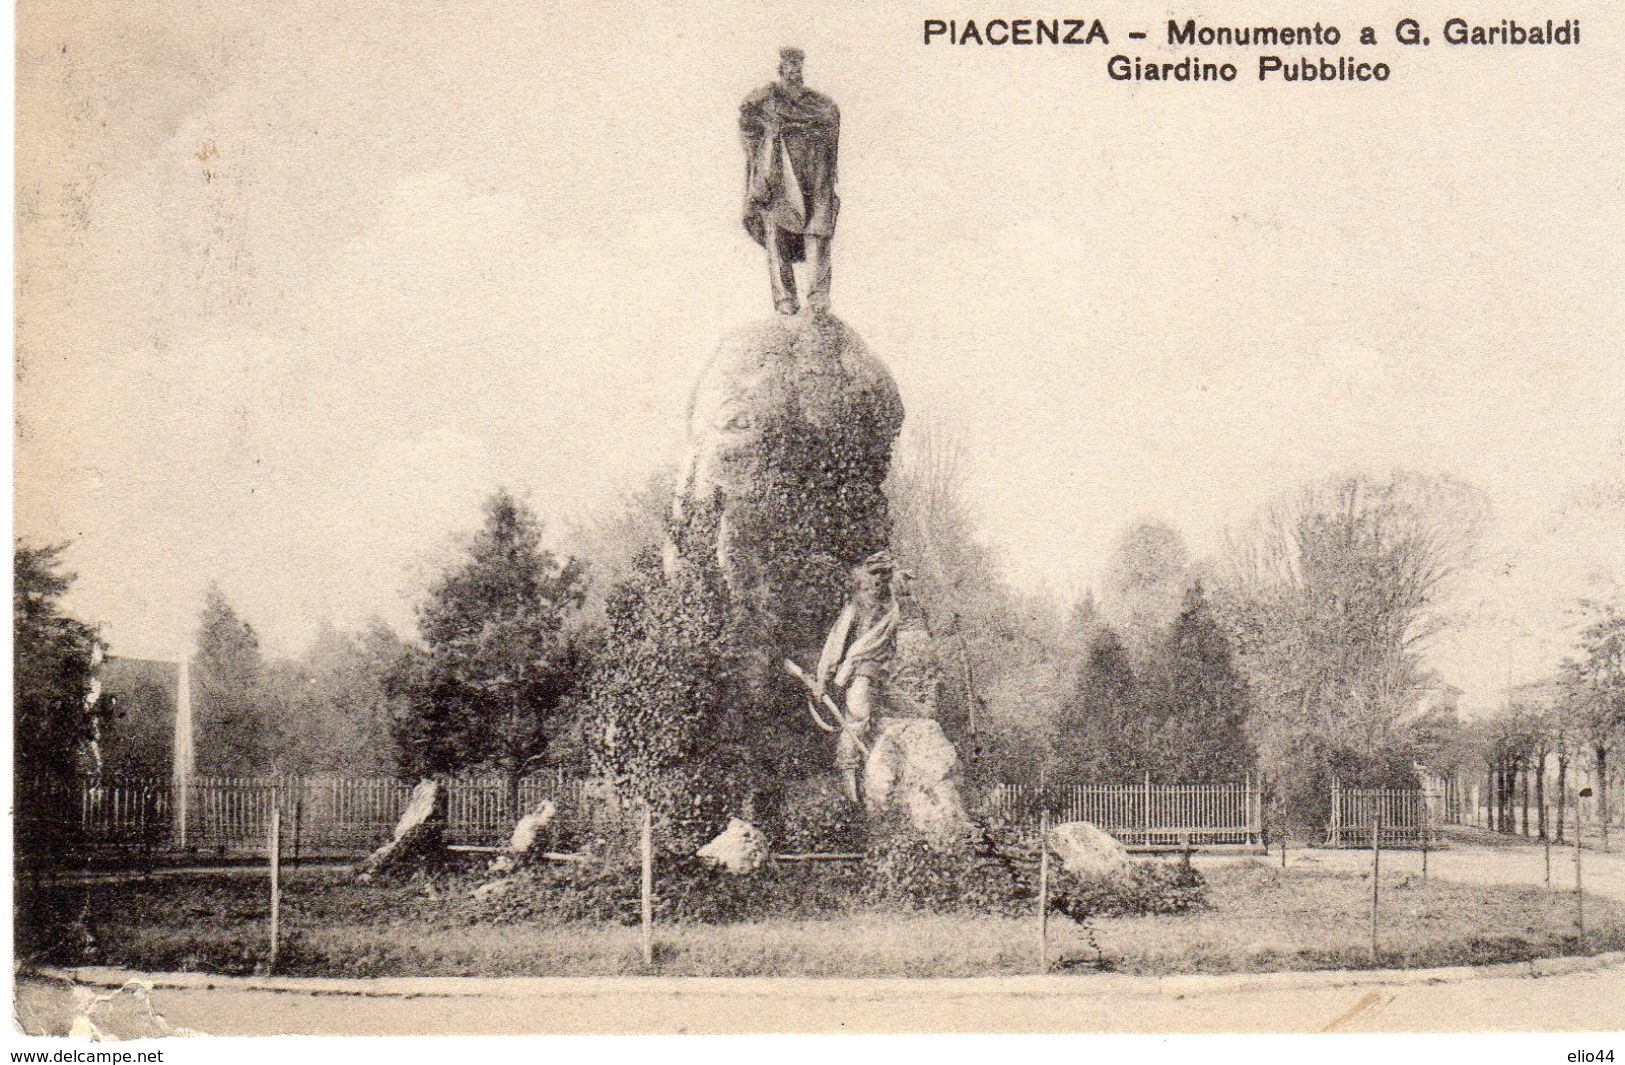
(790, 134)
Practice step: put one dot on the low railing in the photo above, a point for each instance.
(348, 816)
(320, 815)
(1144, 815)
(1398, 817)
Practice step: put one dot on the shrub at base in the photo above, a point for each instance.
(1140, 889)
(816, 818)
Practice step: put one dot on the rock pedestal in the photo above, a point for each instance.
(790, 432)
(913, 770)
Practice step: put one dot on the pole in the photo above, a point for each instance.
(1148, 807)
(1579, 887)
(1285, 820)
(648, 886)
(1548, 842)
(1376, 869)
(276, 879)
(1043, 892)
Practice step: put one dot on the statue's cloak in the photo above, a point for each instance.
(790, 141)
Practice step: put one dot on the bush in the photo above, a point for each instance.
(992, 871)
(816, 817)
(686, 889)
(972, 875)
(1141, 889)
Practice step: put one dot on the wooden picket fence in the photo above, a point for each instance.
(1406, 817)
(320, 815)
(1145, 816)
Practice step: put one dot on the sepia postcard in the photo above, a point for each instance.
(780, 519)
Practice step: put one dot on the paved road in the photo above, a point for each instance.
(1578, 1001)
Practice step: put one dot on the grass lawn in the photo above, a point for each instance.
(1261, 919)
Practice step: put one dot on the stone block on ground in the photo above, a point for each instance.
(1086, 851)
(741, 848)
(913, 770)
(419, 836)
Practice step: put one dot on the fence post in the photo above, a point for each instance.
(276, 880)
(1255, 811)
(647, 889)
(1376, 878)
(1579, 886)
(1286, 819)
(179, 786)
(1147, 821)
(1043, 892)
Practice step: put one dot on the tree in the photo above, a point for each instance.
(1102, 734)
(670, 721)
(331, 705)
(235, 732)
(1332, 597)
(54, 710)
(1198, 701)
(1145, 586)
(501, 658)
(1569, 721)
(1599, 675)
(1182, 720)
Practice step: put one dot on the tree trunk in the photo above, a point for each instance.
(1509, 780)
(1500, 799)
(1523, 777)
(1602, 791)
(1540, 791)
(1562, 788)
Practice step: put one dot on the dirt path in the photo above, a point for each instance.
(1513, 861)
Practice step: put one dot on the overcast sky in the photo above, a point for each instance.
(303, 282)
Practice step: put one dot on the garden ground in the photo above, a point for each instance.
(1317, 910)
(1480, 905)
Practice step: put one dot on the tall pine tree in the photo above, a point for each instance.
(502, 654)
(234, 734)
(1100, 732)
(1200, 700)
